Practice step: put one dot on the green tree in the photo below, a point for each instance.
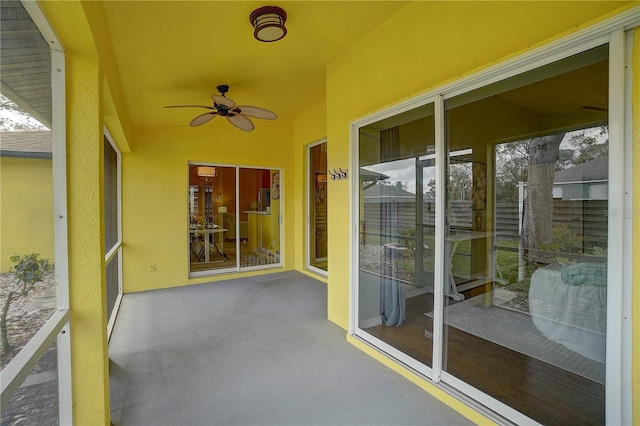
(511, 169)
(590, 145)
(459, 185)
(28, 270)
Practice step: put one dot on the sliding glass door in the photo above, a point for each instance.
(396, 241)
(317, 224)
(533, 285)
(233, 218)
(259, 217)
(496, 200)
(112, 229)
(211, 212)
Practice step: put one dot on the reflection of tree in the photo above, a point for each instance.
(543, 153)
(512, 159)
(431, 193)
(511, 165)
(459, 187)
(585, 146)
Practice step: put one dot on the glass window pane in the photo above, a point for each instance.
(318, 229)
(110, 196)
(260, 212)
(36, 401)
(397, 230)
(112, 278)
(212, 217)
(525, 305)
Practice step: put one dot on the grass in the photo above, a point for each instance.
(507, 261)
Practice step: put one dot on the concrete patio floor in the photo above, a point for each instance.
(250, 351)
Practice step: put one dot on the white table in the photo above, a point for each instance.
(453, 239)
(207, 232)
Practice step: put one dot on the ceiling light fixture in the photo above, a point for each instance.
(268, 22)
(206, 171)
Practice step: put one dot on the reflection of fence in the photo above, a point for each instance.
(586, 218)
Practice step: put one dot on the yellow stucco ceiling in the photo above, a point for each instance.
(177, 52)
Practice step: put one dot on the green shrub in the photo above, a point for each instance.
(27, 271)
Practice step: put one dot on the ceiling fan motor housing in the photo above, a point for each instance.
(223, 88)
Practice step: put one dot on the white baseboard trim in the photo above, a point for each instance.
(371, 322)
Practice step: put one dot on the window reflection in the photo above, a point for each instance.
(397, 231)
(527, 240)
(212, 208)
(260, 209)
(318, 229)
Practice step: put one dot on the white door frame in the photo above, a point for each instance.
(308, 200)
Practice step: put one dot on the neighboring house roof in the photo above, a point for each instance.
(371, 176)
(387, 193)
(594, 170)
(26, 144)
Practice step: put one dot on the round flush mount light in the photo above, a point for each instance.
(268, 22)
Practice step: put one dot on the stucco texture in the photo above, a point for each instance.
(26, 223)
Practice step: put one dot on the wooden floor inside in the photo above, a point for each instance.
(541, 391)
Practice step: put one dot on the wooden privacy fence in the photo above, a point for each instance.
(587, 218)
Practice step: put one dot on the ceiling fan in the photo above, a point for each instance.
(238, 115)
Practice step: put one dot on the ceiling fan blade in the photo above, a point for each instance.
(241, 122)
(222, 100)
(253, 111)
(203, 118)
(595, 108)
(188, 106)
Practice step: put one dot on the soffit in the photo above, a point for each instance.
(25, 63)
(172, 53)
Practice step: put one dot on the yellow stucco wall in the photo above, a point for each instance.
(155, 188)
(26, 222)
(87, 285)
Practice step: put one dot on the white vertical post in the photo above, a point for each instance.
(616, 237)
(627, 282)
(59, 161)
(440, 275)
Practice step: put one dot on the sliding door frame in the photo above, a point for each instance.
(309, 199)
(238, 268)
(114, 254)
(618, 405)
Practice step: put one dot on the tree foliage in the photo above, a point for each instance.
(460, 183)
(511, 165)
(586, 146)
(512, 159)
(27, 270)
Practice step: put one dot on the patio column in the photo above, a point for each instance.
(87, 285)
